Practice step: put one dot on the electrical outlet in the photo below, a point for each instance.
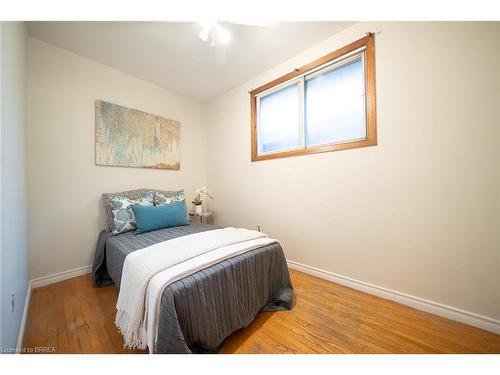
(12, 301)
(258, 228)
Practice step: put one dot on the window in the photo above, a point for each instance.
(326, 105)
(279, 125)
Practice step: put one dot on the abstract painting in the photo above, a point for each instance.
(126, 137)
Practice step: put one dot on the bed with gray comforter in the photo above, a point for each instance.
(199, 311)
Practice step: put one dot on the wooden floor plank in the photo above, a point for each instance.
(73, 317)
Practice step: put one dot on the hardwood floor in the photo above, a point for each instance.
(73, 317)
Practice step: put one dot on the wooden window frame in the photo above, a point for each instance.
(368, 43)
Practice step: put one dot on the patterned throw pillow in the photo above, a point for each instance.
(108, 210)
(163, 197)
(123, 216)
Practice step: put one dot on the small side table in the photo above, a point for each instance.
(203, 218)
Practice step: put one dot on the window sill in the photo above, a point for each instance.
(316, 149)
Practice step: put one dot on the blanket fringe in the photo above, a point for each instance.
(132, 337)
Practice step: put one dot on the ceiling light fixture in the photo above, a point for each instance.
(214, 33)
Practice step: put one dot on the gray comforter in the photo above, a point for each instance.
(199, 311)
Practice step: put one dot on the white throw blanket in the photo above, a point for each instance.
(163, 279)
(141, 265)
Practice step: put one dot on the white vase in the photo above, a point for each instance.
(198, 209)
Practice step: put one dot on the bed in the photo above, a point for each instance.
(198, 312)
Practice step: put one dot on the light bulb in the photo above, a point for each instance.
(223, 35)
(203, 35)
(215, 33)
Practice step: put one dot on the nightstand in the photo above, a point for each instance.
(204, 218)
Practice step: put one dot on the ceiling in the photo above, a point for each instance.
(170, 54)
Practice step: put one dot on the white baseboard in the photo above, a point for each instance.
(20, 336)
(42, 281)
(449, 312)
(56, 277)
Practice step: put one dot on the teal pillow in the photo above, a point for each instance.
(149, 218)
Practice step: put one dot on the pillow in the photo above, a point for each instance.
(167, 197)
(158, 217)
(108, 210)
(123, 216)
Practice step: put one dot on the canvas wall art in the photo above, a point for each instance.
(127, 137)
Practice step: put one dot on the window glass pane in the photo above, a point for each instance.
(279, 119)
(335, 110)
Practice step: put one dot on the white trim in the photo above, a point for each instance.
(449, 312)
(42, 281)
(282, 85)
(22, 326)
(338, 63)
(56, 277)
(302, 113)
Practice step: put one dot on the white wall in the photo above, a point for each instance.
(65, 185)
(419, 213)
(13, 228)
